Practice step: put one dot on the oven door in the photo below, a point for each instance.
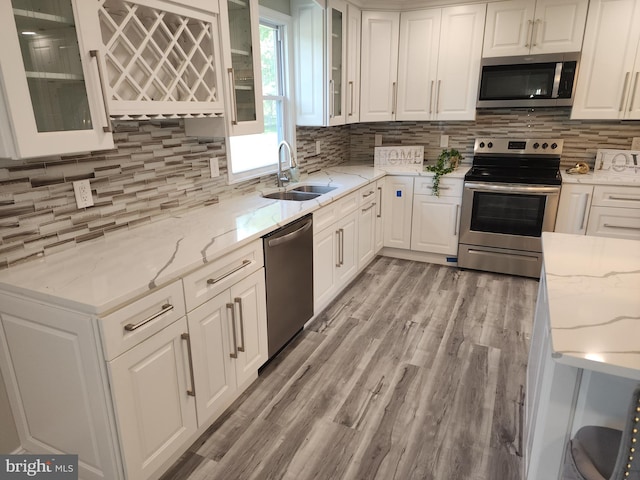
(511, 216)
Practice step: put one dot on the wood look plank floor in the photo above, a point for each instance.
(416, 371)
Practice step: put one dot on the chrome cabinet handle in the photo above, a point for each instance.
(212, 281)
(191, 392)
(103, 88)
(332, 99)
(431, 97)
(584, 212)
(234, 98)
(611, 197)
(338, 247)
(341, 246)
(351, 98)
(624, 227)
(624, 90)
(380, 203)
(394, 98)
(529, 33)
(130, 327)
(233, 330)
(455, 221)
(238, 300)
(438, 97)
(365, 195)
(373, 204)
(534, 32)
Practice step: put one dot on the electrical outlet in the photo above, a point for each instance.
(214, 167)
(635, 143)
(82, 190)
(317, 147)
(377, 140)
(444, 141)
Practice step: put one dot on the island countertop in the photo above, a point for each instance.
(593, 288)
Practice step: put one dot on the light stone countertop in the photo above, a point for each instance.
(593, 286)
(600, 179)
(105, 274)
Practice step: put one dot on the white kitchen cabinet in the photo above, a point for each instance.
(435, 220)
(607, 86)
(229, 343)
(335, 249)
(615, 212)
(397, 211)
(352, 92)
(379, 220)
(155, 404)
(158, 58)
(239, 25)
(367, 224)
(51, 101)
(524, 27)
(423, 65)
(573, 208)
(320, 41)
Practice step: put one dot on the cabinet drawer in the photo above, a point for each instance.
(367, 194)
(614, 222)
(449, 187)
(616, 196)
(347, 204)
(209, 281)
(324, 217)
(127, 327)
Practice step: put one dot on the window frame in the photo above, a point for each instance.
(284, 22)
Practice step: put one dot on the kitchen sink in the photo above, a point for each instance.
(314, 188)
(292, 195)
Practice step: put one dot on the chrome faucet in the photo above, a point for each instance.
(282, 177)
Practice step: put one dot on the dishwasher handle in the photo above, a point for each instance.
(274, 242)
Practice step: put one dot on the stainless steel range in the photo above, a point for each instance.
(510, 197)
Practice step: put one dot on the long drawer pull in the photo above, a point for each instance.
(192, 391)
(212, 281)
(373, 204)
(583, 223)
(130, 327)
(611, 197)
(380, 203)
(624, 227)
(371, 192)
(234, 99)
(338, 246)
(103, 89)
(233, 331)
(238, 300)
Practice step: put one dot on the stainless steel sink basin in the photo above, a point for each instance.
(291, 195)
(314, 188)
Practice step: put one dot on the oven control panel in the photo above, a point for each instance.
(529, 146)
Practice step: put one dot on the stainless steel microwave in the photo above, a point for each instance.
(528, 81)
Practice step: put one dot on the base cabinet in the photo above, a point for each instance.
(397, 208)
(434, 226)
(367, 225)
(573, 209)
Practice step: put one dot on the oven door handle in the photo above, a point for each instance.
(512, 188)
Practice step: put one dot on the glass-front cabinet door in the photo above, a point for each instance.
(242, 60)
(52, 99)
(337, 25)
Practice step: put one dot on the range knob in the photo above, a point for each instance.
(536, 145)
(545, 145)
(490, 144)
(481, 144)
(554, 146)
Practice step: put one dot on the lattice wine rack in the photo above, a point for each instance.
(159, 61)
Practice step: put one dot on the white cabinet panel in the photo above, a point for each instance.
(397, 211)
(573, 209)
(614, 222)
(324, 265)
(434, 226)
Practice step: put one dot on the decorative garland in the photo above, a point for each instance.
(447, 162)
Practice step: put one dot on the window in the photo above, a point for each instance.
(255, 155)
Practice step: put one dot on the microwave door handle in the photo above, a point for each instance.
(556, 80)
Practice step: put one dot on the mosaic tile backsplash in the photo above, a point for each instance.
(156, 172)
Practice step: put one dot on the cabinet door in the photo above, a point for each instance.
(352, 93)
(154, 411)
(434, 225)
(325, 247)
(614, 222)
(337, 57)
(347, 255)
(52, 96)
(607, 62)
(366, 233)
(241, 43)
(213, 366)
(573, 209)
(417, 64)
(508, 28)
(379, 220)
(378, 81)
(397, 207)
(558, 26)
(459, 62)
(250, 316)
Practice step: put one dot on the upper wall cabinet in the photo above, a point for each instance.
(241, 44)
(421, 65)
(51, 101)
(523, 27)
(608, 83)
(158, 59)
(320, 36)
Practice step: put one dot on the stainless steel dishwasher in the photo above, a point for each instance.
(288, 261)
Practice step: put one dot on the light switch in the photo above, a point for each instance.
(377, 140)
